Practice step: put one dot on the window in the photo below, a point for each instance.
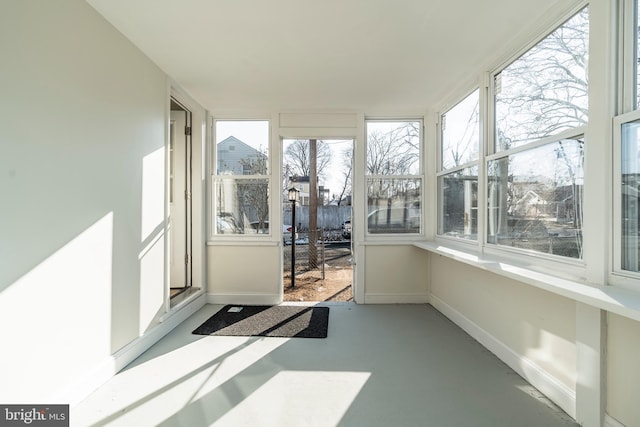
(241, 182)
(634, 35)
(630, 196)
(458, 176)
(544, 92)
(459, 204)
(535, 198)
(627, 149)
(535, 176)
(394, 180)
(461, 132)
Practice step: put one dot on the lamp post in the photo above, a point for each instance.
(293, 198)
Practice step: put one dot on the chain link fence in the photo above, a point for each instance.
(309, 256)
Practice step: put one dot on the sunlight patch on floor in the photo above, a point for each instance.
(170, 381)
(299, 398)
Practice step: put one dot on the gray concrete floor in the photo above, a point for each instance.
(381, 365)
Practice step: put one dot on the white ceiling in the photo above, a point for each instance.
(361, 55)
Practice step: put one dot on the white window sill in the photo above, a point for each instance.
(242, 242)
(613, 299)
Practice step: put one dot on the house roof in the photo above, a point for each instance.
(233, 141)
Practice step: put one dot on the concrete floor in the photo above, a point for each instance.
(381, 365)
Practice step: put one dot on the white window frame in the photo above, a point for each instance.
(629, 112)
(214, 177)
(470, 164)
(577, 265)
(623, 278)
(420, 176)
(563, 266)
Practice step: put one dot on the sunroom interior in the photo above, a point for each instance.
(509, 145)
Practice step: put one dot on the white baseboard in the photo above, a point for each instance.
(79, 390)
(550, 386)
(609, 421)
(375, 298)
(244, 298)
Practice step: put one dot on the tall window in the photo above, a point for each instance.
(630, 195)
(627, 148)
(458, 176)
(241, 179)
(394, 177)
(535, 175)
(544, 92)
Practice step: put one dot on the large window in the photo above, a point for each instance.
(241, 177)
(535, 198)
(458, 176)
(394, 177)
(544, 92)
(627, 148)
(630, 196)
(535, 174)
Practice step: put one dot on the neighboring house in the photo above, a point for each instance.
(235, 157)
(238, 158)
(529, 205)
(568, 202)
(302, 184)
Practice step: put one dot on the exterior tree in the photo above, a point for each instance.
(391, 153)
(297, 159)
(545, 91)
(540, 94)
(464, 147)
(394, 152)
(253, 194)
(347, 167)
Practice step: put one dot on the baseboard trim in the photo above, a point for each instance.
(79, 390)
(375, 298)
(609, 421)
(550, 386)
(244, 298)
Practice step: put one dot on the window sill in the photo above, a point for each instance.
(613, 299)
(242, 242)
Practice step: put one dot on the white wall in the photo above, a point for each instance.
(394, 274)
(82, 130)
(623, 370)
(530, 329)
(244, 274)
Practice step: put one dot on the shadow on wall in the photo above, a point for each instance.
(83, 110)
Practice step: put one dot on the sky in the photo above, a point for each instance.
(334, 176)
(256, 134)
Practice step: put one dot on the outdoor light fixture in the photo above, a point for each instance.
(293, 198)
(293, 194)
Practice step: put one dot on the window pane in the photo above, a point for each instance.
(393, 148)
(637, 54)
(394, 205)
(242, 147)
(535, 199)
(242, 206)
(545, 90)
(461, 132)
(630, 196)
(459, 204)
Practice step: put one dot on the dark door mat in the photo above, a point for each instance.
(289, 321)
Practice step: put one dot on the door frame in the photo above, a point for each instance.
(199, 136)
(355, 287)
(180, 197)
